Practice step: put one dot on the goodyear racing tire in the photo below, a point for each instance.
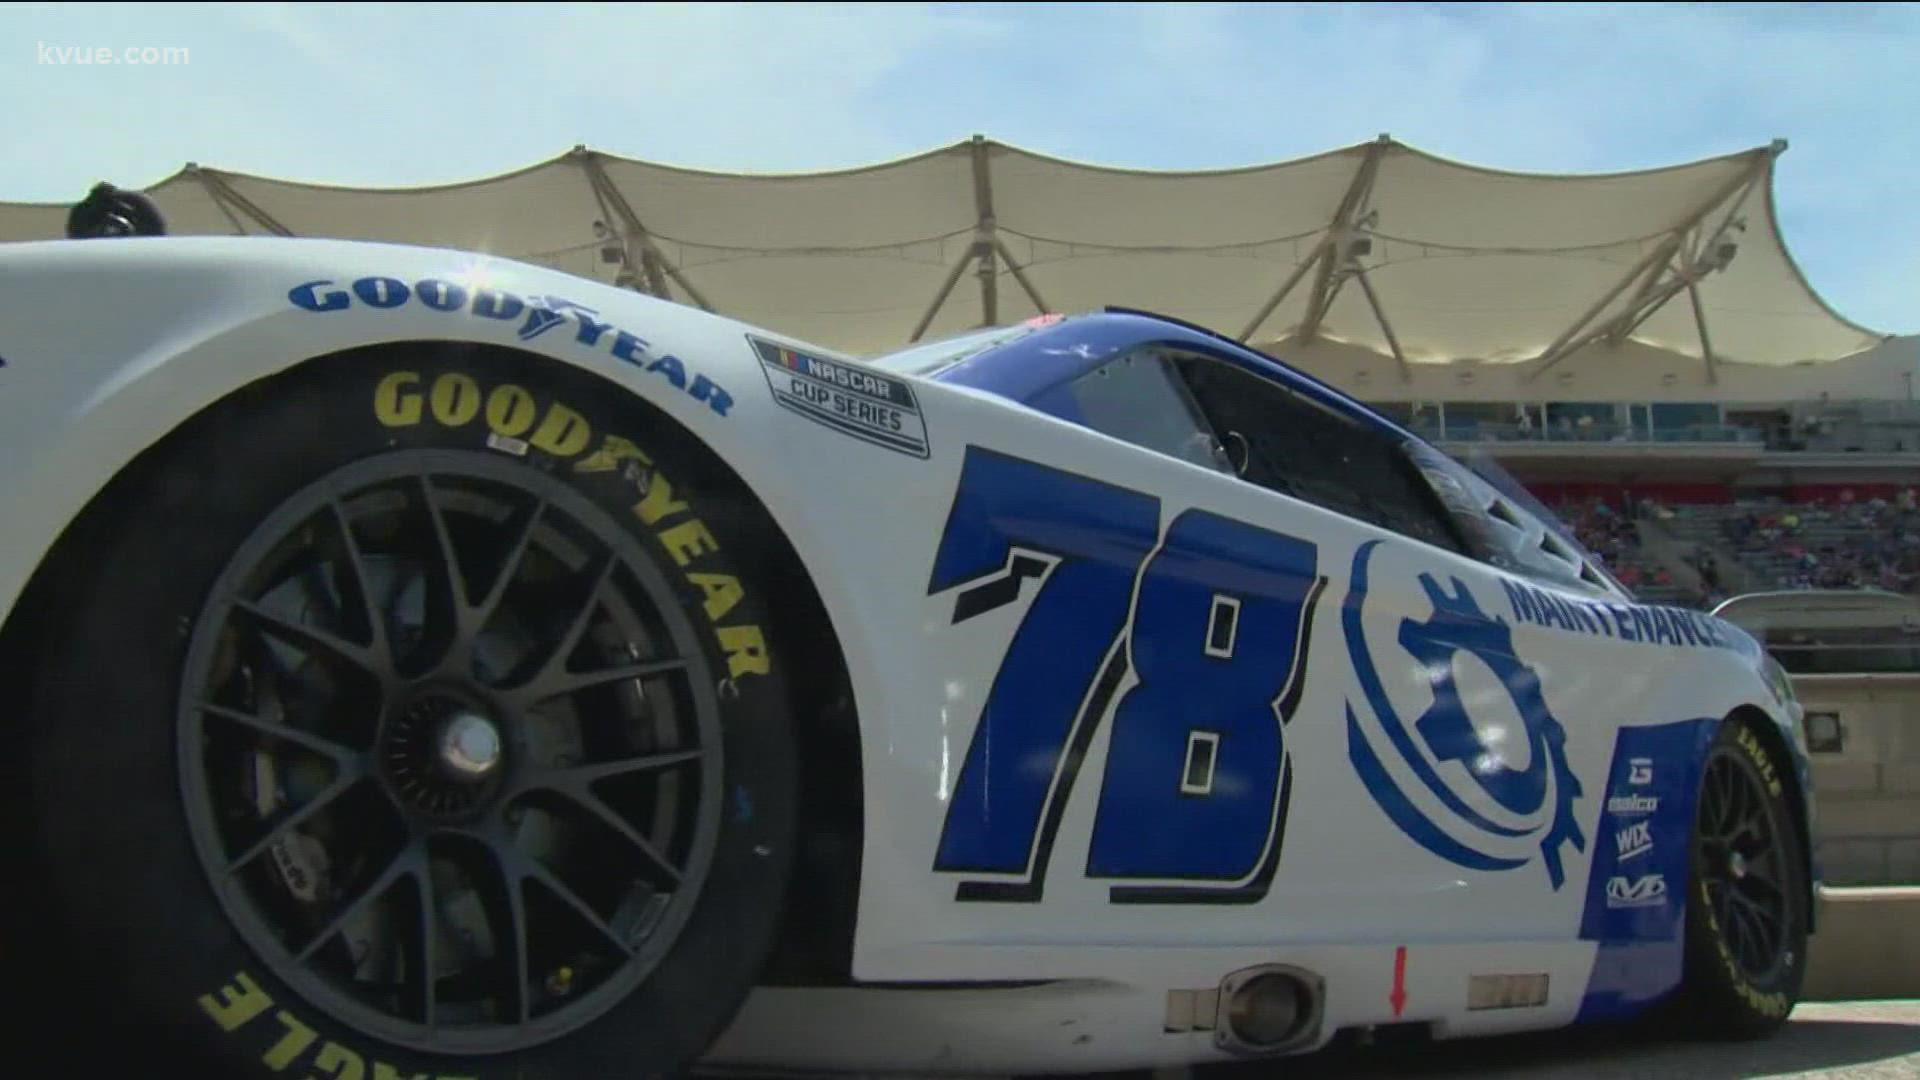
(413, 716)
(1746, 916)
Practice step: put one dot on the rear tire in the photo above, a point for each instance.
(1747, 914)
(379, 844)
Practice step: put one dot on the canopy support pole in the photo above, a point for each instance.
(1327, 281)
(984, 240)
(1657, 266)
(654, 264)
(1019, 275)
(946, 289)
(1698, 249)
(1565, 345)
(1386, 328)
(1629, 319)
(225, 197)
(1651, 295)
(1287, 286)
(614, 204)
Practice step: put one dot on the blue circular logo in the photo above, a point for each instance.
(1446, 777)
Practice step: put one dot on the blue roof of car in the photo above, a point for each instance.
(1028, 366)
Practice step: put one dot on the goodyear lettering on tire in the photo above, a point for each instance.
(508, 411)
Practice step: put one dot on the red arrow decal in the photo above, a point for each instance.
(1399, 995)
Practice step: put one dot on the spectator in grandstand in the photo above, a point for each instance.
(1853, 543)
(1610, 535)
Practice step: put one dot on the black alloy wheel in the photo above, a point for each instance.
(449, 757)
(1747, 910)
(1743, 860)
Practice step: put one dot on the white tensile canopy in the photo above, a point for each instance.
(1377, 246)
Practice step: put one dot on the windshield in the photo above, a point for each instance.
(935, 355)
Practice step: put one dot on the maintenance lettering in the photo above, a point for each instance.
(1647, 624)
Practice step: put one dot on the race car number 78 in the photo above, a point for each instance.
(1212, 619)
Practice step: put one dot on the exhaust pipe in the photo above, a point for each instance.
(1269, 1009)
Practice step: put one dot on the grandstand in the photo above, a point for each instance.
(1692, 501)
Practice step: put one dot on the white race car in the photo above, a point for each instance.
(429, 665)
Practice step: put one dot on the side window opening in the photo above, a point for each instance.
(1297, 446)
(1138, 398)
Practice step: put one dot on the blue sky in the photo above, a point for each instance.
(389, 95)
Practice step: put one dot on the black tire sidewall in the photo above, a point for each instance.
(1721, 999)
(141, 933)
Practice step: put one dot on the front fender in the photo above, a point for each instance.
(105, 348)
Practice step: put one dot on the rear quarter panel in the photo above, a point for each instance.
(1380, 851)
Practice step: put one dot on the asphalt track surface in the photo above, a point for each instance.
(1852, 1041)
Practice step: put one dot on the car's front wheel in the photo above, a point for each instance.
(376, 743)
(1747, 917)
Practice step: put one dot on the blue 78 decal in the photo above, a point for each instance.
(1212, 619)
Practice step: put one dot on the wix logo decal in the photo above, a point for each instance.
(1634, 841)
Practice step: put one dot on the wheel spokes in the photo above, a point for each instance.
(344, 758)
(427, 935)
(510, 564)
(362, 580)
(576, 777)
(519, 868)
(560, 683)
(575, 785)
(305, 636)
(410, 859)
(293, 820)
(433, 618)
(532, 683)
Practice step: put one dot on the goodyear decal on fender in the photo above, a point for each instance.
(856, 401)
(532, 317)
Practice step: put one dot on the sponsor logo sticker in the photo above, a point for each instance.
(1633, 804)
(1634, 841)
(497, 306)
(869, 405)
(1647, 890)
(1640, 771)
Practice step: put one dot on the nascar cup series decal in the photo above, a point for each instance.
(854, 400)
(1453, 736)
